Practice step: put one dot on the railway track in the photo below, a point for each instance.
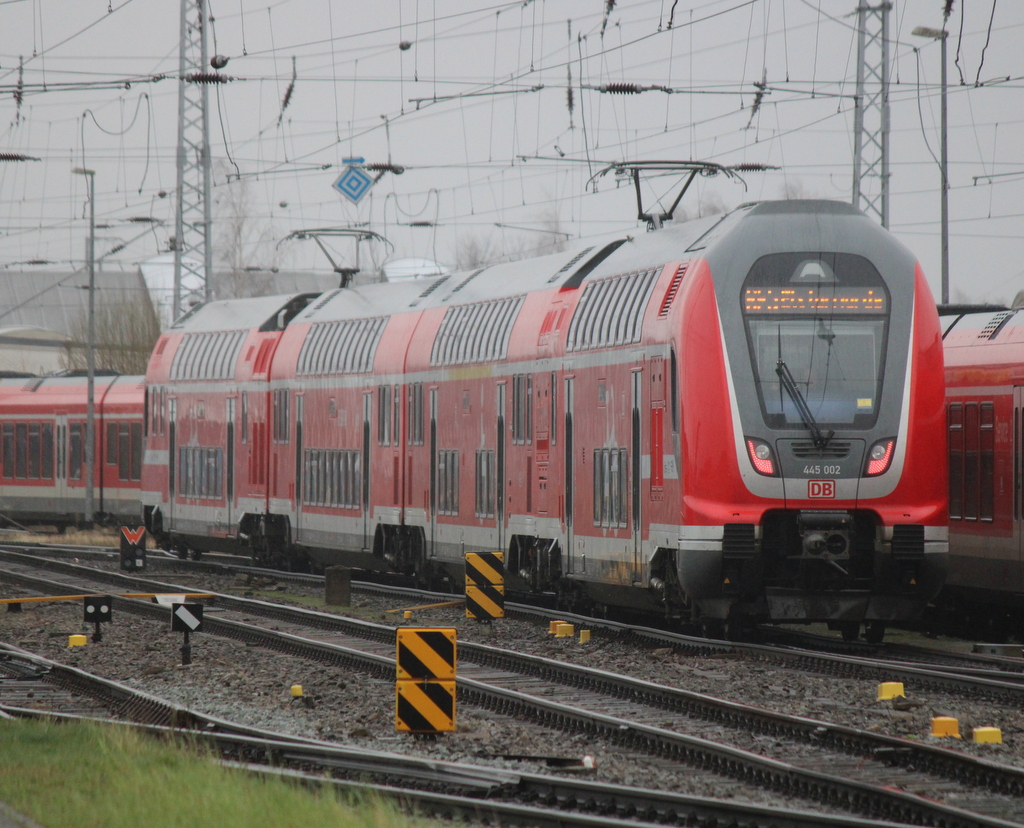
(634, 702)
(438, 788)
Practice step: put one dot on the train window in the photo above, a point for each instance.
(245, 417)
(448, 482)
(47, 452)
(8, 450)
(384, 415)
(33, 451)
(345, 347)
(485, 480)
(986, 505)
(522, 409)
(75, 451)
(396, 429)
(610, 487)
(331, 478)
(21, 450)
(111, 444)
(124, 455)
(200, 472)
(145, 411)
(415, 415)
(971, 441)
(281, 415)
(825, 317)
(673, 379)
(136, 448)
(475, 333)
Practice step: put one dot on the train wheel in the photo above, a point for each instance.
(874, 631)
(850, 630)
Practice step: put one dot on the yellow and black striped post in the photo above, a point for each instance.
(485, 585)
(425, 680)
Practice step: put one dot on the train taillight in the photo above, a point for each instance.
(762, 458)
(880, 456)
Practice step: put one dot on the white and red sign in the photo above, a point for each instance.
(821, 489)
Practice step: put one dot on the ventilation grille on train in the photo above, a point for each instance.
(738, 540)
(673, 289)
(207, 356)
(570, 264)
(908, 541)
(611, 311)
(995, 325)
(835, 450)
(344, 347)
(475, 333)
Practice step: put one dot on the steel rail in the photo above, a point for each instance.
(780, 777)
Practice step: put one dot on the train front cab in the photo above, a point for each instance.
(832, 373)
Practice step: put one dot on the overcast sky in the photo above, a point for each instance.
(476, 108)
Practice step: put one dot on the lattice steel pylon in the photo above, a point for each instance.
(193, 248)
(871, 112)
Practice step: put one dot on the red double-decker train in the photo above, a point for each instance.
(42, 449)
(732, 419)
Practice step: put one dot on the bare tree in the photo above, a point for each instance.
(125, 335)
(244, 250)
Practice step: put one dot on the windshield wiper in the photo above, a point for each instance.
(786, 378)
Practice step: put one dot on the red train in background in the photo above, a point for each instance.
(42, 449)
(732, 419)
(984, 355)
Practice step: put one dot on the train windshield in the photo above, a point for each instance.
(816, 326)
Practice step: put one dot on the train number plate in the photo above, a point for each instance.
(821, 489)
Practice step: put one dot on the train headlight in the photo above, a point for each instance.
(762, 458)
(880, 456)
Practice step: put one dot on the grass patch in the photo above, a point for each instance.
(72, 537)
(90, 775)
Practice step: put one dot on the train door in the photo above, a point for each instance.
(636, 449)
(365, 495)
(298, 466)
(433, 469)
(172, 457)
(570, 552)
(230, 465)
(499, 493)
(60, 477)
(1017, 558)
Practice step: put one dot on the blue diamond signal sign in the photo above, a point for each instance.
(354, 183)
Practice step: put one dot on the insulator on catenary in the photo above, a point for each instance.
(620, 88)
(382, 167)
(207, 77)
(16, 156)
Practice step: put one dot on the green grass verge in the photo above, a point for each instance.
(89, 775)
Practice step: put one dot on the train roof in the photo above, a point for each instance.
(606, 256)
(989, 330)
(263, 312)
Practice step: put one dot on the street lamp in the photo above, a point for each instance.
(941, 35)
(90, 411)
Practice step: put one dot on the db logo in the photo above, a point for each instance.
(821, 489)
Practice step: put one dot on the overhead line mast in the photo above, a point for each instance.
(193, 245)
(871, 112)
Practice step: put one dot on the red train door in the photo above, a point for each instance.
(500, 464)
(299, 494)
(570, 552)
(230, 465)
(172, 458)
(60, 477)
(636, 450)
(1018, 488)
